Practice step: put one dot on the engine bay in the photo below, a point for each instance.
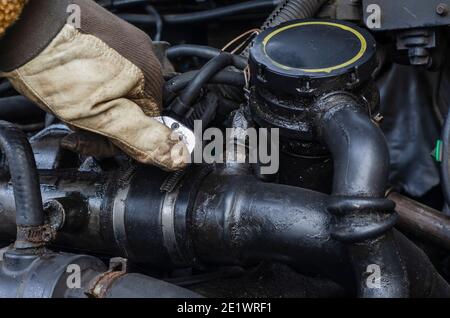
(319, 143)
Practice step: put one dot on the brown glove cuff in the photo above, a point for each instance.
(10, 11)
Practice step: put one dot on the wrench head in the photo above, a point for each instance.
(187, 135)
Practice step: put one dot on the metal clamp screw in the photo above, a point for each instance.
(442, 9)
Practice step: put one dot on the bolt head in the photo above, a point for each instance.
(442, 9)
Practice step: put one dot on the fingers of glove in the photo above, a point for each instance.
(142, 137)
(80, 69)
(89, 144)
(89, 85)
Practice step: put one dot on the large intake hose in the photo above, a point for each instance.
(363, 216)
(251, 221)
(220, 219)
(29, 215)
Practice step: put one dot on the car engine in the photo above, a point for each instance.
(320, 162)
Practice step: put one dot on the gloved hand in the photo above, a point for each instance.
(100, 76)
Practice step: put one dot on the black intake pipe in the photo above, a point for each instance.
(363, 216)
(238, 221)
(218, 220)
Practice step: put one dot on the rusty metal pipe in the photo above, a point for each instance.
(422, 221)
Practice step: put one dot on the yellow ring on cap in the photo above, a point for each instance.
(319, 70)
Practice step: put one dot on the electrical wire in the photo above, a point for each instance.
(246, 36)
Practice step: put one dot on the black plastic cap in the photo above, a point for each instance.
(312, 57)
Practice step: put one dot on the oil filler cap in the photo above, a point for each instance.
(312, 57)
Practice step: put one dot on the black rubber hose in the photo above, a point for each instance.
(445, 164)
(247, 221)
(183, 104)
(225, 77)
(220, 12)
(364, 217)
(238, 220)
(204, 52)
(202, 16)
(117, 4)
(19, 109)
(5, 87)
(159, 22)
(138, 18)
(22, 167)
(223, 220)
(183, 50)
(290, 10)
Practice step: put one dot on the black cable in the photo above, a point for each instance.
(159, 22)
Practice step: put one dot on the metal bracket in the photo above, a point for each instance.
(405, 14)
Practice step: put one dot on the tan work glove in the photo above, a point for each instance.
(97, 73)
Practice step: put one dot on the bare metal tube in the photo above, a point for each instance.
(422, 221)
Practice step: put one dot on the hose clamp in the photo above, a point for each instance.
(168, 228)
(118, 220)
(34, 236)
